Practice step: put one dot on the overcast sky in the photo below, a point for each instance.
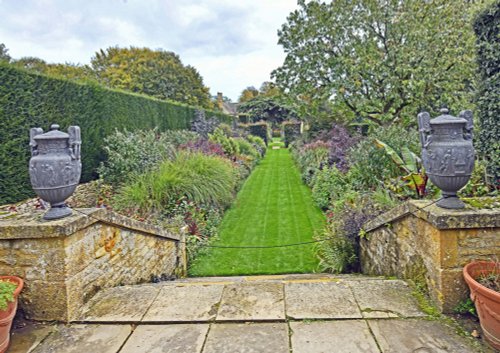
(232, 43)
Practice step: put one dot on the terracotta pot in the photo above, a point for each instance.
(487, 301)
(7, 316)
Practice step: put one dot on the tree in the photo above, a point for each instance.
(248, 94)
(4, 56)
(379, 61)
(270, 109)
(31, 63)
(269, 89)
(67, 70)
(157, 73)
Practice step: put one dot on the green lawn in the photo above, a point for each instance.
(273, 207)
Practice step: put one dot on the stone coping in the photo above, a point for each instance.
(440, 218)
(31, 225)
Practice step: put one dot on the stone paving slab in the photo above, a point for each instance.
(385, 299)
(252, 302)
(247, 338)
(417, 335)
(26, 339)
(320, 300)
(346, 336)
(179, 338)
(185, 304)
(85, 338)
(120, 304)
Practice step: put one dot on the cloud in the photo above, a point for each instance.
(231, 43)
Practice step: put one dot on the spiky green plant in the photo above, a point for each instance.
(204, 179)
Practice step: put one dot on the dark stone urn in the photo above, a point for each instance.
(447, 153)
(55, 167)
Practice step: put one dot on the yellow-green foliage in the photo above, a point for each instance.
(207, 180)
(31, 100)
(6, 293)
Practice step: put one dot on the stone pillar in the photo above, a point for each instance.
(431, 245)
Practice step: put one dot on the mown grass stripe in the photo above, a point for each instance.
(273, 207)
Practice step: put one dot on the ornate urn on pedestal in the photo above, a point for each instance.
(55, 167)
(447, 153)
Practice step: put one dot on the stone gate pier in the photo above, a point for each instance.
(65, 262)
(430, 245)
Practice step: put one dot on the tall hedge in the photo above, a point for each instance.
(30, 100)
(291, 130)
(260, 129)
(487, 28)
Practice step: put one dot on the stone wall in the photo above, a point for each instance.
(431, 245)
(65, 262)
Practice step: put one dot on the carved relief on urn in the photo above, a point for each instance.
(447, 153)
(55, 167)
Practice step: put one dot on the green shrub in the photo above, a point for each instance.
(371, 166)
(335, 254)
(30, 100)
(205, 180)
(346, 217)
(260, 129)
(258, 142)
(487, 28)
(328, 184)
(477, 185)
(291, 130)
(132, 153)
(178, 137)
(246, 148)
(229, 145)
(310, 158)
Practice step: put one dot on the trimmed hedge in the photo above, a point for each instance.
(487, 28)
(260, 129)
(291, 130)
(31, 100)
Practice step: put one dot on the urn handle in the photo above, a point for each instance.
(33, 144)
(75, 141)
(424, 129)
(469, 126)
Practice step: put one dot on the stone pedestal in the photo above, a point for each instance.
(431, 245)
(65, 262)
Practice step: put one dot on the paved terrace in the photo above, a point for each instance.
(275, 314)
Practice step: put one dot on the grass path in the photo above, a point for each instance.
(274, 207)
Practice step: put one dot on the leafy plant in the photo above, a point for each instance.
(410, 164)
(204, 146)
(229, 145)
(7, 289)
(131, 153)
(465, 307)
(335, 254)
(246, 148)
(340, 142)
(346, 218)
(310, 158)
(258, 143)
(370, 167)
(205, 180)
(328, 184)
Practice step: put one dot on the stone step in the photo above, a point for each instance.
(256, 299)
(261, 314)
